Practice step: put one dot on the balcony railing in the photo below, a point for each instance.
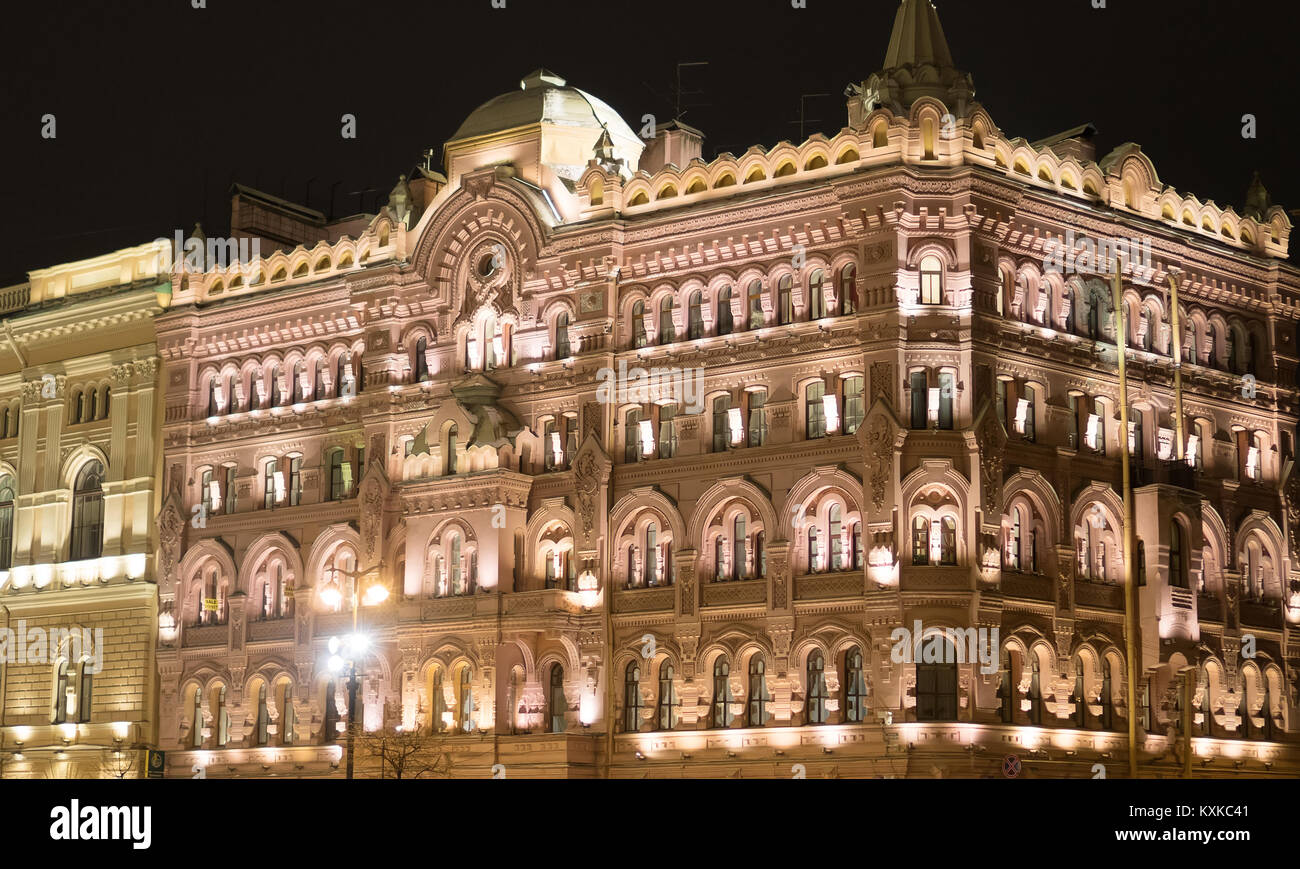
(1169, 473)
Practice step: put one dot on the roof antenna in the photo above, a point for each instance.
(804, 120)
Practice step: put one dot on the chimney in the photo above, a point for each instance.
(674, 143)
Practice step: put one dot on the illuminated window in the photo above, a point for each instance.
(638, 325)
(6, 521)
(931, 280)
(725, 319)
(721, 693)
(738, 541)
(562, 350)
(758, 696)
(848, 293)
(855, 686)
(668, 700)
(632, 698)
(785, 300)
(667, 334)
(695, 316)
(817, 693)
(853, 404)
(755, 306)
(88, 513)
(816, 296)
(815, 410)
(556, 702)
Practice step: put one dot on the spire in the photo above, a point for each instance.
(1257, 200)
(917, 37)
(917, 64)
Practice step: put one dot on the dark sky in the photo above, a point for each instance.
(160, 106)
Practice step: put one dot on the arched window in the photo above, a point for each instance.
(836, 540)
(88, 513)
(695, 316)
(632, 699)
(1014, 541)
(947, 386)
(931, 280)
(855, 686)
(297, 390)
(268, 484)
(273, 381)
(222, 717)
(1078, 697)
(556, 703)
(848, 293)
(465, 700)
(638, 325)
(758, 696)
(721, 693)
(817, 693)
(755, 304)
(650, 570)
(667, 334)
(437, 704)
(632, 436)
(854, 412)
(719, 557)
(816, 296)
(1135, 435)
(668, 700)
(725, 320)
(421, 359)
(814, 550)
(262, 725)
(1177, 555)
(948, 541)
(338, 481)
(920, 540)
(61, 699)
(451, 448)
(212, 397)
(318, 382)
(562, 349)
(288, 717)
(785, 300)
(6, 521)
(721, 423)
(815, 410)
(738, 540)
(196, 720)
(85, 690)
(936, 681)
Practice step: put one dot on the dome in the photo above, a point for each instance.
(544, 99)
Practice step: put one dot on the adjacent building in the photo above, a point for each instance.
(80, 418)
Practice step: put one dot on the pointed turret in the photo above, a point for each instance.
(918, 64)
(1257, 200)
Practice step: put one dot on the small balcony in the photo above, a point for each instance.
(1151, 471)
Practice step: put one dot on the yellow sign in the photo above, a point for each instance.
(210, 604)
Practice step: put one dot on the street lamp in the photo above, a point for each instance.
(347, 650)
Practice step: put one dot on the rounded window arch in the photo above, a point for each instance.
(931, 280)
(7, 494)
(88, 513)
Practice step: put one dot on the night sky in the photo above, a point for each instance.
(159, 106)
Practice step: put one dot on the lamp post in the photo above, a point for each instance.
(353, 646)
(1130, 591)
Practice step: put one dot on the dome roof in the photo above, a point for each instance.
(543, 97)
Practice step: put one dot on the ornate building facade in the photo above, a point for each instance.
(80, 417)
(886, 410)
